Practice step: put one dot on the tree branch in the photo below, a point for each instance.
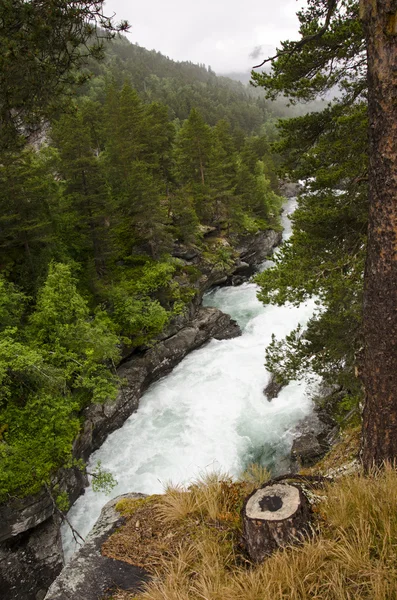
(298, 45)
(76, 535)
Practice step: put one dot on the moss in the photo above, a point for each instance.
(129, 506)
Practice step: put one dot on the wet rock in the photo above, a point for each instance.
(254, 249)
(307, 450)
(140, 371)
(272, 389)
(316, 433)
(89, 575)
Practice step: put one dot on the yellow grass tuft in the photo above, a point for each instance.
(212, 495)
(255, 475)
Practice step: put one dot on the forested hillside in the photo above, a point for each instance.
(134, 165)
(181, 86)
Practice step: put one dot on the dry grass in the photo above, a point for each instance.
(255, 476)
(354, 557)
(212, 495)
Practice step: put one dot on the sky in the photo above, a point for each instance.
(228, 35)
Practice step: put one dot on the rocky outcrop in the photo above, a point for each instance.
(272, 389)
(290, 189)
(140, 371)
(30, 542)
(254, 249)
(316, 433)
(30, 561)
(89, 575)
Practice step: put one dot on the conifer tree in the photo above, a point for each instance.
(84, 213)
(27, 193)
(193, 156)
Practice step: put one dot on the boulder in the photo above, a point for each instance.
(272, 389)
(254, 249)
(315, 434)
(89, 575)
(307, 450)
(187, 253)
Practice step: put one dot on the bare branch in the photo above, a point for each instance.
(76, 535)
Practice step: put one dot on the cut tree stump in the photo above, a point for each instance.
(275, 516)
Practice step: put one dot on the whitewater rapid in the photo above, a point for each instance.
(209, 413)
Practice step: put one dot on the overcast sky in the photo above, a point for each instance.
(220, 33)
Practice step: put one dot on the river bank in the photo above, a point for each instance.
(210, 412)
(30, 543)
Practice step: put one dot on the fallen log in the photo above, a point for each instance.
(274, 516)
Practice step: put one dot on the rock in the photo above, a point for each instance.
(89, 575)
(316, 433)
(306, 450)
(30, 561)
(243, 268)
(290, 189)
(140, 371)
(254, 249)
(184, 252)
(272, 389)
(206, 229)
(20, 514)
(31, 553)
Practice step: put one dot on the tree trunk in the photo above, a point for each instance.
(379, 441)
(275, 516)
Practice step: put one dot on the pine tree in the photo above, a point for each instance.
(328, 151)
(27, 194)
(193, 156)
(84, 218)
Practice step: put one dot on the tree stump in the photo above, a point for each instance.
(276, 515)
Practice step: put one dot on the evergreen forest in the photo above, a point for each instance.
(145, 155)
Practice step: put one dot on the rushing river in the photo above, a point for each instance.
(209, 413)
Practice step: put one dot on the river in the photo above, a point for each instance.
(209, 413)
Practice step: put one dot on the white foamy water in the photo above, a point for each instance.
(210, 412)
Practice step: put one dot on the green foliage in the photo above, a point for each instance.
(88, 221)
(42, 44)
(102, 481)
(48, 372)
(327, 150)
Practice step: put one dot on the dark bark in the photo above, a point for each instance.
(379, 441)
(275, 516)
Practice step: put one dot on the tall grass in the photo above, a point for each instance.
(208, 496)
(353, 558)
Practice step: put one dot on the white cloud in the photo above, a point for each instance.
(218, 33)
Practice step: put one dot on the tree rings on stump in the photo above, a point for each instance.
(275, 516)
